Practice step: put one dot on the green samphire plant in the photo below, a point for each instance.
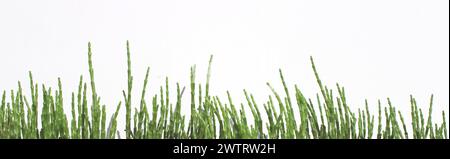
(42, 116)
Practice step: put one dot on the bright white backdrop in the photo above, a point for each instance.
(376, 49)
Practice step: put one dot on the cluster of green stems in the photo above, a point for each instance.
(42, 116)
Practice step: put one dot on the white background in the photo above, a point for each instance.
(376, 49)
